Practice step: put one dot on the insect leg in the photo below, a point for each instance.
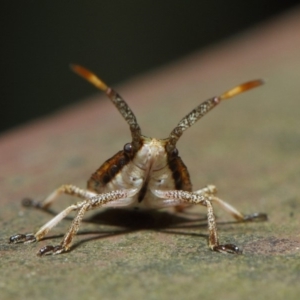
(82, 207)
(30, 237)
(67, 239)
(209, 190)
(238, 215)
(212, 190)
(67, 189)
(202, 198)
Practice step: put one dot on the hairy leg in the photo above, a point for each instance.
(83, 206)
(67, 189)
(205, 197)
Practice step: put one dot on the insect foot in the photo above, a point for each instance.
(49, 249)
(227, 248)
(22, 238)
(256, 217)
(28, 202)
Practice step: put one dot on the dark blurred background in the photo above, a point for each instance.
(117, 39)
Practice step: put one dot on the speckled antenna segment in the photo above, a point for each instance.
(127, 114)
(190, 119)
(116, 99)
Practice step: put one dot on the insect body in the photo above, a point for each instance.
(147, 173)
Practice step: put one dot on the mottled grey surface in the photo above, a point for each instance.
(248, 147)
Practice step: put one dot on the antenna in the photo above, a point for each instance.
(203, 108)
(116, 99)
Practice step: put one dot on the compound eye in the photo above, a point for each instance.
(174, 152)
(128, 148)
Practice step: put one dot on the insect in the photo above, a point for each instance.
(147, 173)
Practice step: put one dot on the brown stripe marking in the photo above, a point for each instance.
(180, 174)
(108, 171)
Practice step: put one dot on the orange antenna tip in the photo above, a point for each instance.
(89, 76)
(241, 88)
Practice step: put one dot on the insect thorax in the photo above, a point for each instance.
(148, 168)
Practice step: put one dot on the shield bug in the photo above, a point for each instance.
(148, 173)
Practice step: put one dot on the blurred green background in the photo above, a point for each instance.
(116, 39)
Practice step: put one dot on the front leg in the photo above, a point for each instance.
(213, 240)
(83, 206)
(205, 197)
